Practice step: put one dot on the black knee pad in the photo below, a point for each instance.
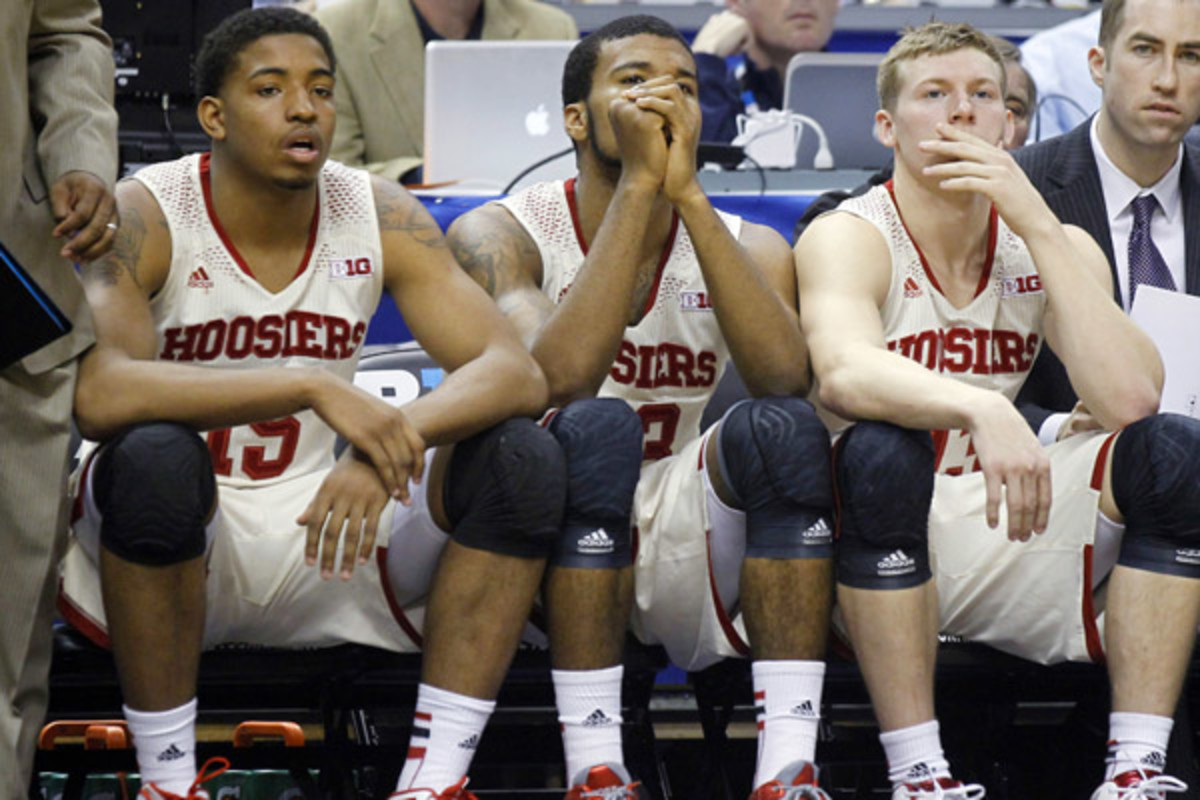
(1156, 484)
(155, 488)
(505, 490)
(774, 453)
(602, 441)
(883, 478)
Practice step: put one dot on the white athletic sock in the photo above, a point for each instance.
(589, 710)
(914, 754)
(787, 698)
(1137, 741)
(445, 734)
(165, 742)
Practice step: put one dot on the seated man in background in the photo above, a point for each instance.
(1126, 176)
(768, 33)
(381, 55)
(926, 301)
(262, 263)
(627, 284)
(1020, 92)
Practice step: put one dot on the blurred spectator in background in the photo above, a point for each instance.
(380, 46)
(1057, 61)
(1020, 91)
(768, 33)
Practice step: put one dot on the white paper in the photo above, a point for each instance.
(1172, 319)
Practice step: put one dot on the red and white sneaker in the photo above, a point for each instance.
(1139, 784)
(938, 789)
(217, 765)
(606, 782)
(456, 792)
(796, 781)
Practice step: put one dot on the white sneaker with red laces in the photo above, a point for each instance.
(1139, 784)
(217, 765)
(605, 782)
(456, 792)
(796, 781)
(938, 789)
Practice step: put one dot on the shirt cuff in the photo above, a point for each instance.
(1048, 433)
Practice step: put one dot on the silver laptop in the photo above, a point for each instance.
(837, 90)
(493, 109)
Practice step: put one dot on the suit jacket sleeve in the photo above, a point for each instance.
(71, 89)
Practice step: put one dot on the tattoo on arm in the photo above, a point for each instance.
(490, 259)
(125, 254)
(406, 215)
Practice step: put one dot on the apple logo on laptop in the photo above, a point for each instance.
(537, 122)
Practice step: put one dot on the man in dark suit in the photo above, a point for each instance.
(1148, 70)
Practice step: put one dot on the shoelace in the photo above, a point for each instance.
(613, 792)
(1153, 788)
(218, 765)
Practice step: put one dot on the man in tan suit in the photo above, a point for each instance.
(56, 173)
(381, 67)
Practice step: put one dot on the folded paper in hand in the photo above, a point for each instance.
(29, 320)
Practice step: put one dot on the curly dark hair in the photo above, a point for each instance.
(581, 62)
(222, 45)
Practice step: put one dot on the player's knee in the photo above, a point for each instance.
(774, 454)
(601, 439)
(505, 490)
(884, 477)
(155, 489)
(1156, 485)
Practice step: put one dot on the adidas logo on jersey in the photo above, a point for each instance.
(896, 563)
(199, 279)
(470, 743)
(597, 719)
(818, 533)
(172, 753)
(694, 301)
(804, 710)
(911, 287)
(598, 542)
(1187, 555)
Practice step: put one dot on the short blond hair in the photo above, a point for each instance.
(931, 39)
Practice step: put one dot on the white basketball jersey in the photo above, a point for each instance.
(669, 363)
(211, 310)
(990, 343)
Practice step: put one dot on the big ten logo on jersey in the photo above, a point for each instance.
(954, 453)
(662, 365)
(1021, 284)
(341, 269)
(694, 301)
(980, 351)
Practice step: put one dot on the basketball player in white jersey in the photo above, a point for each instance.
(633, 293)
(235, 304)
(926, 301)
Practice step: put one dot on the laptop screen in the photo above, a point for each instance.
(492, 109)
(837, 90)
